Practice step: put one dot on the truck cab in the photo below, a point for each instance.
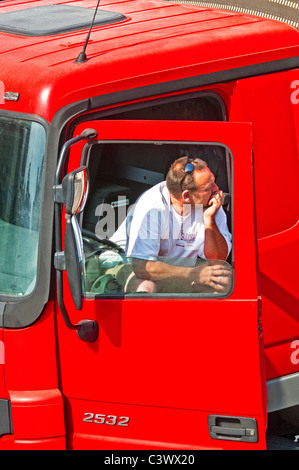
(97, 105)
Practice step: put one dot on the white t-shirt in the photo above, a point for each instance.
(153, 229)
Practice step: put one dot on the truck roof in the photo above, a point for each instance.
(152, 41)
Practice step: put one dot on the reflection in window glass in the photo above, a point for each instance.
(22, 149)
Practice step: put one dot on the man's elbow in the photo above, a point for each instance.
(141, 268)
(220, 254)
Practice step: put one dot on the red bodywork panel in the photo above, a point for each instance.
(265, 101)
(170, 361)
(32, 387)
(142, 365)
(158, 42)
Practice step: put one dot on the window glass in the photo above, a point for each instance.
(138, 239)
(22, 148)
(196, 108)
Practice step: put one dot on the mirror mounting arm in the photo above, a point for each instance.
(87, 330)
(87, 134)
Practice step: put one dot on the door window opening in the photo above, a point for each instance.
(120, 173)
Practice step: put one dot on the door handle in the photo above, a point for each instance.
(227, 431)
(233, 428)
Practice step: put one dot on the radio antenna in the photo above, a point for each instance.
(82, 56)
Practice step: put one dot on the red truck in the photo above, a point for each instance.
(95, 105)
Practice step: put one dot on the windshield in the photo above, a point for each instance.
(22, 149)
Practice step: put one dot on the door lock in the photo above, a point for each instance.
(233, 428)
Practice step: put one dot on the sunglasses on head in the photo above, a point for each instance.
(188, 169)
(189, 165)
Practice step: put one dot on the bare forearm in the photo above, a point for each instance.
(216, 276)
(157, 270)
(215, 246)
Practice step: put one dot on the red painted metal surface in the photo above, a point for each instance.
(32, 386)
(143, 365)
(2, 362)
(30, 360)
(173, 360)
(9, 443)
(37, 414)
(159, 42)
(275, 130)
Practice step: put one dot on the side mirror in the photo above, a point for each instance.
(74, 194)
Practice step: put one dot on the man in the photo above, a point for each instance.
(174, 227)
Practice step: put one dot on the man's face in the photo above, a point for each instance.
(206, 186)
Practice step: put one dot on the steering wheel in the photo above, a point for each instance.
(104, 241)
(104, 283)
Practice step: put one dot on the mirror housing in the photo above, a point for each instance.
(74, 258)
(75, 187)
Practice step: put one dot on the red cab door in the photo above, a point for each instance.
(173, 371)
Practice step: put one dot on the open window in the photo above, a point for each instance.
(120, 172)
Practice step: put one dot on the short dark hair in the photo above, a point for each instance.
(177, 180)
